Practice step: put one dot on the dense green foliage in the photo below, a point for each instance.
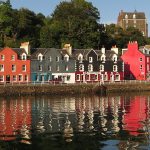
(76, 22)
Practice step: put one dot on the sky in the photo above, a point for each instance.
(109, 9)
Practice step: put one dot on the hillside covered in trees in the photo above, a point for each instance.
(76, 22)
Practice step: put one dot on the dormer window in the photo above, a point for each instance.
(80, 58)
(40, 57)
(66, 58)
(134, 16)
(90, 59)
(126, 16)
(24, 57)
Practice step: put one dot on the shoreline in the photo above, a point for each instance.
(71, 89)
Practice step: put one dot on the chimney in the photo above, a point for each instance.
(26, 46)
(132, 45)
(115, 49)
(68, 48)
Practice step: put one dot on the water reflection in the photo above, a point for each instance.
(112, 120)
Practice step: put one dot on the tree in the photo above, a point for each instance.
(76, 23)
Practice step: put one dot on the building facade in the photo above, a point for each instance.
(133, 19)
(137, 62)
(52, 65)
(96, 65)
(14, 65)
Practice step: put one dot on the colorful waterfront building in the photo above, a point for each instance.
(55, 65)
(98, 65)
(137, 62)
(14, 64)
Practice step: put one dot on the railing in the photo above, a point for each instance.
(53, 83)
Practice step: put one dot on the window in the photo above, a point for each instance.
(13, 57)
(13, 68)
(147, 67)
(1, 68)
(68, 78)
(66, 58)
(66, 68)
(26, 77)
(141, 67)
(24, 68)
(115, 68)
(49, 68)
(101, 67)
(57, 68)
(1, 78)
(87, 77)
(90, 59)
(57, 58)
(102, 58)
(40, 67)
(105, 77)
(115, 59)
(80, 58)
(20, 78)
(81, 67)
(40, 57)
(90, 67)
(50, 58)
(140, 59)
(2, 57)
(77, 77)
(147, 59)
(24, 57)
(117, 77)
(14, 78)
(36, 78)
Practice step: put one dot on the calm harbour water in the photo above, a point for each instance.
(80, 123)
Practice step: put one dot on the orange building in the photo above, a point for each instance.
(14, 64)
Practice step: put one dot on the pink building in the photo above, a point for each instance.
(136, 62)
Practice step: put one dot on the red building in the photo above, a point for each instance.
(136, 62)
(14, 65)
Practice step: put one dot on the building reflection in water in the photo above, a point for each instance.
(67, 116)
(15, 119)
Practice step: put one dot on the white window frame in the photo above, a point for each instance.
(101, 67)
(81, 67)
(26, 77)
(140, 59)
(24, 68)
(40, 57)
(66, 68)
(20, 75)
(14, 78)
(1, 67)
(115, 68)
(66, 58)
(12, 57)
(40, 67)
(24, 56)
(90, 67)
(49, 68)
(117, 79)
(2, 57)
(1, 78)
(13, 68)
(90, 59)
(57, 59)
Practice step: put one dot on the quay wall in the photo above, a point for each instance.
(71, 89)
